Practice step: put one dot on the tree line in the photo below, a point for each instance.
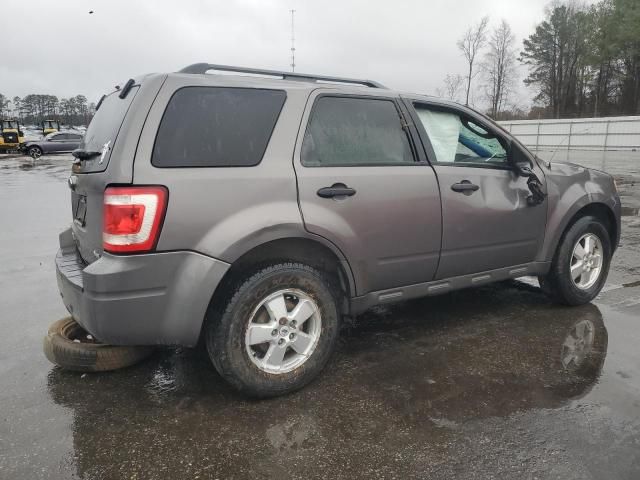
(34, 108)
(582, 61)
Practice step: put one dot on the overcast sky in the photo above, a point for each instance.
(63, 50)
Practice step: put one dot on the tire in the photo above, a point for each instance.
(86, 356)
(247, 367)
(558, 283)
(34, 152)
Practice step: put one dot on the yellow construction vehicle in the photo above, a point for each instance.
(50, 126)
(11, 137)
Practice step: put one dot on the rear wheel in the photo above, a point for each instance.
(581, 264)
(277, 332)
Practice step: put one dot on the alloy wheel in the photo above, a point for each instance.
(586, 261)
(283, 331)
(35, 153)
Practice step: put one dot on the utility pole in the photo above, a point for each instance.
(293, 41)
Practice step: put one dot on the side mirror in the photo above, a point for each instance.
(523, 169)
(520, 161)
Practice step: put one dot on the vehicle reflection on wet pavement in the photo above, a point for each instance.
(492, 382)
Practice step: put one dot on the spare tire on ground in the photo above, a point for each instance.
(69, 346)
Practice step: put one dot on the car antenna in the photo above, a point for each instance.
(566, 137)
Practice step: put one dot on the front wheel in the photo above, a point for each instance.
(277, 332)
(34, 152)
(581, 264)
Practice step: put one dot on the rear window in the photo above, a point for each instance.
(103, 129)
(216, 127)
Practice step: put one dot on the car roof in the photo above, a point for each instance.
(258, 78)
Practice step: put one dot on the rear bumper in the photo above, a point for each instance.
(151, 299)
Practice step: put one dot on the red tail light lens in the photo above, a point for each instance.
(132, 218)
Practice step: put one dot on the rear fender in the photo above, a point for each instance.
(249, 235)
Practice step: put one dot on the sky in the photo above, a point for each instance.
(407, 45)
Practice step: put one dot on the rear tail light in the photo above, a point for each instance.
(132, 218)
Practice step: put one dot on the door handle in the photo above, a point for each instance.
(465, 186)
(336, 190)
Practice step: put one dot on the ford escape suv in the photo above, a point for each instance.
(255, 209)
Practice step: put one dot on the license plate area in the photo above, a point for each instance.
(80, 209)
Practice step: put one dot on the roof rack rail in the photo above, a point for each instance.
(200, 68)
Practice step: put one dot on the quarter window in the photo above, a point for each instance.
(346, 131)
(216, 127)
(459, 140)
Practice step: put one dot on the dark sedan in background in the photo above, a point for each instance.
(57, 142)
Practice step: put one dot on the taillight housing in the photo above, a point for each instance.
(132, 218)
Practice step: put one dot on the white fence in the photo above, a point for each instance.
(612, 133)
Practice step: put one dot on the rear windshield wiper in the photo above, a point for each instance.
(85, 154)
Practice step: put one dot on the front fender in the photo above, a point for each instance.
(572, 188)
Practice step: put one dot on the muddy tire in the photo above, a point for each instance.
(568, 282)
(277, 331)
(86, 355)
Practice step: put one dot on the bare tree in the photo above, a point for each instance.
(473, 40)
(452, 86)
(499, 67)
(4, 104)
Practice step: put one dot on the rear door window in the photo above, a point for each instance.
(103, 129)
(351, 131)
(216, 127)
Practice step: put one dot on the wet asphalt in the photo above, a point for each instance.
(485, 383)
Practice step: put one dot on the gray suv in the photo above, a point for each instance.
(254, 211)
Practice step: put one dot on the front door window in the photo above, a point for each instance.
(457, 139)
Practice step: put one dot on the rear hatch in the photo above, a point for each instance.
(111, 162)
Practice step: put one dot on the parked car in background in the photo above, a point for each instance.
(57, 142)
